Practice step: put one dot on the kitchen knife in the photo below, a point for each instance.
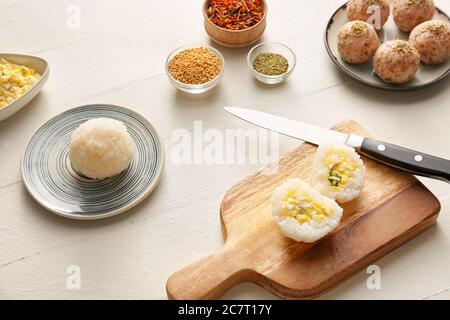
(414, 162)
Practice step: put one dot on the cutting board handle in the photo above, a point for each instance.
(208, 278)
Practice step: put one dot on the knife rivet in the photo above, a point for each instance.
(381, 147)
(418, 158)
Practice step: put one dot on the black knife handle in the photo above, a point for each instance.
(415, 162)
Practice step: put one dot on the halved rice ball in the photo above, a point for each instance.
(338, 172)
(302, 213)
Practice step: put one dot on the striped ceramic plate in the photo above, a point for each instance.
(49, 178)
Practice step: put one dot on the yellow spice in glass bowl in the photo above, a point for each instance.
(15, 81)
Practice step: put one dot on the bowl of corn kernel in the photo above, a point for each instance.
(21, 79)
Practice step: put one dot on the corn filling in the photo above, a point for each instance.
(15, 80)
(303, 208)
(340, 167)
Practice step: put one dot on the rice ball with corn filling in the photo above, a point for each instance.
(361, 10)
(432, 40)
(338, 172)
(410, 13)
(302, 213)
(357, 42)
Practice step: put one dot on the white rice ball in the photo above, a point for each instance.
(101, 148)
(338, 172)
(302, 213)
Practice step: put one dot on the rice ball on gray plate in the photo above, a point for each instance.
(432, 40)
(357, 42)
(410, 13)
(396, 61)
(101, 148)
(362, 10)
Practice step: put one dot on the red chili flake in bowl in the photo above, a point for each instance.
(235, 14)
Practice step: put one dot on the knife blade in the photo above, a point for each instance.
(408, 160)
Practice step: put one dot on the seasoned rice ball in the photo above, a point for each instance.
(360, 10)
(100, 148)
(357, 42)
(432, 40)
(396, 61)
(338, 172)
(302, 213)
(410, 13)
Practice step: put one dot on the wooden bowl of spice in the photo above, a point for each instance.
(235, 23)
(195, 68)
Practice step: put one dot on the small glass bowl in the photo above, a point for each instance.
(195, 88)
(272, 48)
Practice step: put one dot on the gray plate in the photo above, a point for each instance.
(425, 77)
(52, 183)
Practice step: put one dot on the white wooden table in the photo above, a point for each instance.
(117, 56)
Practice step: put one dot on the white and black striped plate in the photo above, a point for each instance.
(53, 184)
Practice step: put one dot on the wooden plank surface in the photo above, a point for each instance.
(117, 56)
(392, 208)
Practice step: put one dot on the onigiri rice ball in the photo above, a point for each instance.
(357, 42)
(302, 213)
(101, 148)
(361, 10)
(410, 13)
(432, 40)
(338, 172)
(396, 61)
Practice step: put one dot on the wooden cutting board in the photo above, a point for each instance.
(393, 208)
